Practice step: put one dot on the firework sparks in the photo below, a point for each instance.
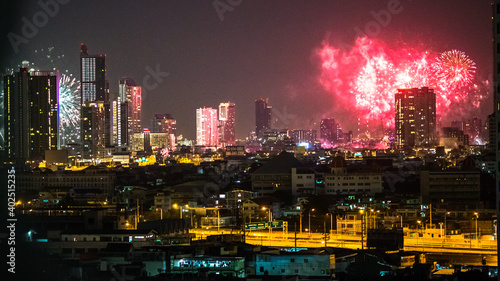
(366, 77)
(455, 68)
(69, 108)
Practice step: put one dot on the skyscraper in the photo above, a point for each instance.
(262, 116)
(93, 128)
(96, 110)
(207, 127)
(165, 123)
(227, 118)
(30, 114)
(130, 93)
(415, 117)
(119, 122)
(93, 76)
(330, 132)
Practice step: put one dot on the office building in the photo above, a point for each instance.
(96, 126)
(30, 114)
(165, 123)
(262, 116)
(415, 117)
(207, 127)
(130, 93)
(227, 119)
(93, 131)
(93, 76)
(302, 136)
(119, 122)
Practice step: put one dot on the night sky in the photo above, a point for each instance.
(259, 49)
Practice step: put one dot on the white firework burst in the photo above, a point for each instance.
(69, 109)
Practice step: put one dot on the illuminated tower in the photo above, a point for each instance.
(119, 122)
(206, 127)
(93, 76)
(93, 137)
(262, 117)
(227, 117)
(30, 114)
(130, 93)
(165, 123)
(96, 110)
(415, 117)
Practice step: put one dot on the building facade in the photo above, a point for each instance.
(415, 117)
(119, 123)
(130, 93)
(31, 106)
(341, 181)
(207, 127)
(165, 123)
(93, 130)
(227, 121)
(96, 109)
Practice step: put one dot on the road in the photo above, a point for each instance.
(446, 250)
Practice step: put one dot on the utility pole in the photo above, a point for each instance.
(300, 221)
(430, 208)
(137, 213)
(324, 231)
(295, 238)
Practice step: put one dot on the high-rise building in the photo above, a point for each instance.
(207, 127)
(30, 114)
(302, 136)
(165, 123)
(415, 117)
(93, 76)
(492, 136)
(119, 122)
(93, 130)
(130, 93)
(262, 116)
(96, 126)
(227, 118)
(330, 132)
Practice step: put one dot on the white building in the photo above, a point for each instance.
(207, 127)
(303, 181)
(340, 181)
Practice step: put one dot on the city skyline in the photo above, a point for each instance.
(287, 70)
(249, 140)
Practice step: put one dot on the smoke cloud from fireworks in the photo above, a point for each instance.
(364, 79)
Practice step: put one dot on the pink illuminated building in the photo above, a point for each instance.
(207, 127)
(131, 94)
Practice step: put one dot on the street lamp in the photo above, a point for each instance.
(269, 224)
(310, 229)
(445, 215)
(418, 230)
(180, 209)
(161, 213)
(477, 216)
(362, 212)
(218, 219)
(331, 221)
